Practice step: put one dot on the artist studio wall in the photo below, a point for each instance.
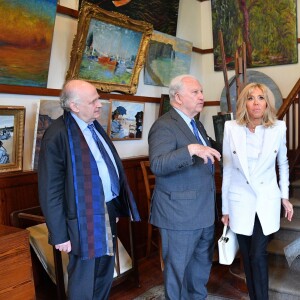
(195, 25)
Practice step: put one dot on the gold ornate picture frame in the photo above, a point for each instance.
(109, 49)
(12, 120)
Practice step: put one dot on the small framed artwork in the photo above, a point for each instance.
(12, 120)
(126, 120)
(164, 104)
(109, 49)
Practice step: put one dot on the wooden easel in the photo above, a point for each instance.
(240, 65)
(236, 269)
(240, 68)
(224, 68)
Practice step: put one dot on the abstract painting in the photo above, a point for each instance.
(162, 14)
(25, 41)
(268, 28)
(167, 57)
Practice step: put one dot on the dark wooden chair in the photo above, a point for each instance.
(149, 180)
(33, 216)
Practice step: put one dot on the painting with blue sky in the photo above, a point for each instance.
(110, 53)
(167, 57)
(126, 120)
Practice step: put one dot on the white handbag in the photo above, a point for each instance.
(228, 246)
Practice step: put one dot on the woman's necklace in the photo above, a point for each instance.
(252, 129)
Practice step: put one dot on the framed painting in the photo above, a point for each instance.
(268, 28)
(12, 123)
(162, 14)
(109, 49)
(126, 120)
(25, 41)
(167, 57)
(164, 104)
(50, 110)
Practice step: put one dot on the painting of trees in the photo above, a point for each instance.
(268, 28)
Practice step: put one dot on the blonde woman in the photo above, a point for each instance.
(251, 195)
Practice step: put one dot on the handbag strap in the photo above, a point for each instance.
(224, 231)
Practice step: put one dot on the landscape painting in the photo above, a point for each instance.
(110, 53)
(167, 57)
(6, 139)
(12, 121)
(268, 28)
(25, 41)
(108, 49)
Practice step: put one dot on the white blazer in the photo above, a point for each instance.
(244, 194)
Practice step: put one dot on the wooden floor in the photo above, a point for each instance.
(221, 282)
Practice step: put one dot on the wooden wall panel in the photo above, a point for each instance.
(18, 190)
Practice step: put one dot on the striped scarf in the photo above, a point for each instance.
(89, 194)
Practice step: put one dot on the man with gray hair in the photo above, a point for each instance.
(183, 204)
(83, 190)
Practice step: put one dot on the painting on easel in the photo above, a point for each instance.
(268, 28)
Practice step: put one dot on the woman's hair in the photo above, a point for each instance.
(242, 116)
(115, 113)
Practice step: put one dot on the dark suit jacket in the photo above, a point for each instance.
(56, 191)
(184, 194)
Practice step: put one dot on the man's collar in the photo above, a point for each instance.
(82, 125)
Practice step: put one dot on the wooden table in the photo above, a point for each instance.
(16, 279)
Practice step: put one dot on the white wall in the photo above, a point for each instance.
(195, 25)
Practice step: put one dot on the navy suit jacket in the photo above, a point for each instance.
(56, 190)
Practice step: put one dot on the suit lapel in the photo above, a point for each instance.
(186, 129)
(239, 141)
(203, 133)
(181, 124)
